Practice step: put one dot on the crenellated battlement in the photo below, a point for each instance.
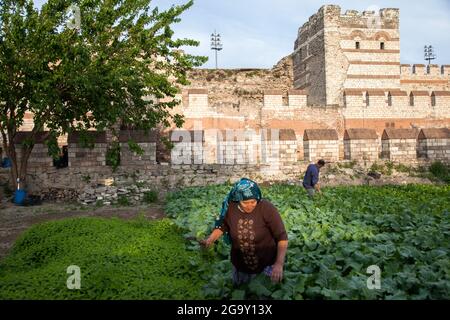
(329, 14)
(431, 77)
(386, 18)
(396, 98)
(274, 99)
(425, 70)
(385, 13)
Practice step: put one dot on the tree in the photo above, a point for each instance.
(111, 65)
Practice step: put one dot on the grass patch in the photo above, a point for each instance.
(118, 259)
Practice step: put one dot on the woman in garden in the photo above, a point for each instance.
(257, 233)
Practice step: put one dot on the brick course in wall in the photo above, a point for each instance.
(399, 145)
(145, 140)
(321, 144)
(361, 144)
(81, 155)
(434, 144)
(39, 156)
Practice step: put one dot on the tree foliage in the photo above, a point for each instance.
(112, 65)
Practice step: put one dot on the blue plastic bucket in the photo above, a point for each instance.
(19, 196)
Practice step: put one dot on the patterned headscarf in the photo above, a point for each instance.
(244, 189)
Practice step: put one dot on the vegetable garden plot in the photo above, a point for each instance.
(404, 230)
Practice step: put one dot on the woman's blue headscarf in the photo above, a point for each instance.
(244, 189)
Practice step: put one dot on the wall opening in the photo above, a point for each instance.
(389, 99)
(63, 160)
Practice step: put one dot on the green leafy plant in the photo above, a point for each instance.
(389, 167)
(140, 184)
(99, 203)
(150, 196)
(113, 155)
(123, 200)
(441, 171)
(382, 168)
(347, 165)
(403, 168)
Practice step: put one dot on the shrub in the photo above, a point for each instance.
(402, 168)
(440, 171)
(150, 196)
(99, 203)
(347, 165)
(113, 155)
(123, 200)
(381, 168)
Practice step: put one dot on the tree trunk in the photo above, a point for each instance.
(19, 170)
(22, 174)
(11, 151)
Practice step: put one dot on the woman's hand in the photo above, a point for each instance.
(277, 268)
(277, 272)
(216, 234)
(207, 243)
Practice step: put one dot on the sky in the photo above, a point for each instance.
(258, 33)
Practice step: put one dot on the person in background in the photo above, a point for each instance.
(311, 179)
(258, 237)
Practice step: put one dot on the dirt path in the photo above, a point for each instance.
(14, 220)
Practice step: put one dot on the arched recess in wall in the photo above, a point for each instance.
(382, 36)
(357, 35)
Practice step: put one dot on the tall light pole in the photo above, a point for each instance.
(215, 43)
(429, 53)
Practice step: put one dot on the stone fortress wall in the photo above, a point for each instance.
(339, 95)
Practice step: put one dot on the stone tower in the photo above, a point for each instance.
(335, 52)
